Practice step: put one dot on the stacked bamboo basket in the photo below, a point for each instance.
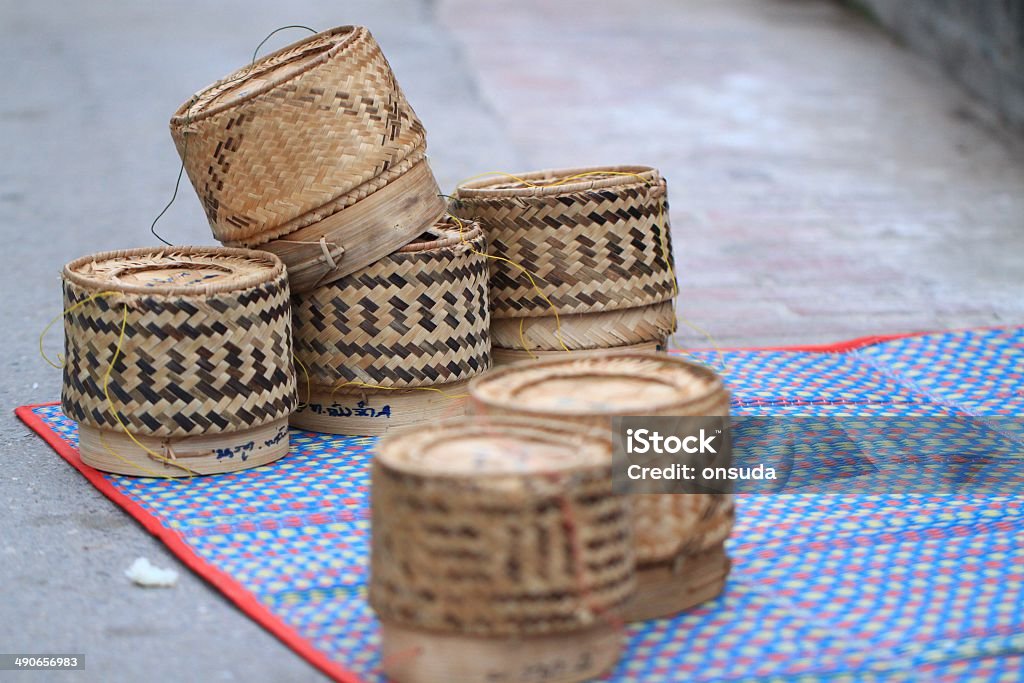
(499, 551)
(597, 247)
(679, 538)
(347, 299)
(314, 154)
(414, 325)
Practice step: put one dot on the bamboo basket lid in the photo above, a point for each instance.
(498, 528)
(174, 271)
(599, 387)
(502, 456)
(446, 233)
(557, 182)
(300, 135)
(595, 243)
(201, 337)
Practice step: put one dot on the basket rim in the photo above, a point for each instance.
(471, 231)
(275, 271)
(483, 188)
(556, 432)
(349, 34)
(715, 385)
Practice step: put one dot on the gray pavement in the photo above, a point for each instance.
(825, 184)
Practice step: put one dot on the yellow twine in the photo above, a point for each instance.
(529, 276)
(126, 461)
(42, 335)
(714, 344)
(305, 372)
(106, 393)
(106, 387)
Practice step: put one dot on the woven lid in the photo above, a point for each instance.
(613, 384)
(179, 271)
(502, 447)
(562, 181)
(267, 73)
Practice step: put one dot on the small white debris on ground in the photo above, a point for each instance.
(144, 573)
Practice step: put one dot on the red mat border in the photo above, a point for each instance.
(245, 600)
(231, 589)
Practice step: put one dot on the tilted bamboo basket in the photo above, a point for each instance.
(679, 538)
(178, 359)
(598, 245)
(498, 549)
(395, 343)
(312, 153)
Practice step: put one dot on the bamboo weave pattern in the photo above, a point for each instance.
(418, 317)
(304, 133)
(207, 354)
(599, 243)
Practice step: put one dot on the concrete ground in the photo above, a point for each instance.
(825, 184)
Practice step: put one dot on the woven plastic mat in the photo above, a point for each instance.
(848, 585)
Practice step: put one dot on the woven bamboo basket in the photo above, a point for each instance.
(312, 153)
(679, 538)
(178, 359)
(395, 343)
(598, 245)
(498, 550)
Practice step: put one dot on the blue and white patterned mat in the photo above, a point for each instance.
(845, 586)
